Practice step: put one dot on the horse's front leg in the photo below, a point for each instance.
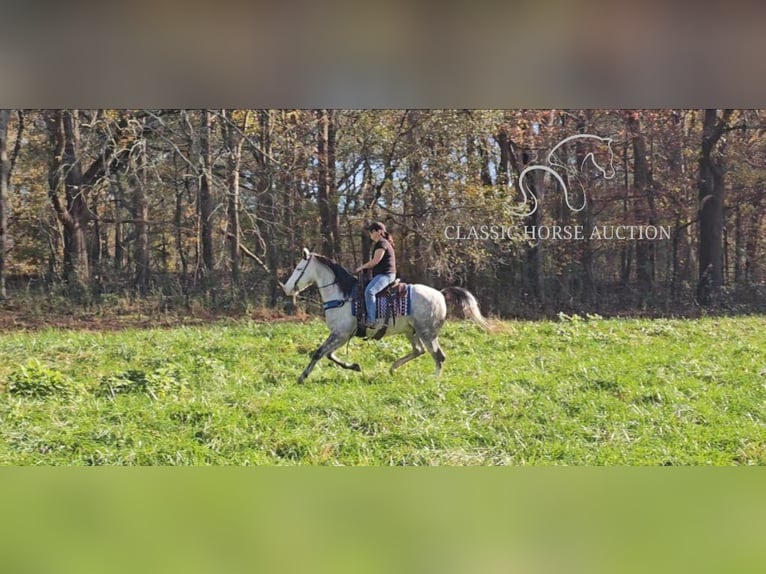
(332, 342)
(344, 364)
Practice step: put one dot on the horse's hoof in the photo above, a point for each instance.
(300, 380)
(356, 367)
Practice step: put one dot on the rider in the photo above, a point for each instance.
(383, 265)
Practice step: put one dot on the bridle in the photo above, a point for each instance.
(308, 261)
(303, 270)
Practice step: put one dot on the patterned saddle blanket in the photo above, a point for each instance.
(394, 301)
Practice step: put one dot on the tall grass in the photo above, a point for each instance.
(568, 392)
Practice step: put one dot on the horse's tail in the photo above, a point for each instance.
(468, 303)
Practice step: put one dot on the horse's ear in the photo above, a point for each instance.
(306, 253)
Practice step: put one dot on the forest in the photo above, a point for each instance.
(537, 212)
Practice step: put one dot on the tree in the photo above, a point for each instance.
(233, 139)
(327, 186)
(138, 182)
(206, 204)
(74, 213)
(109, 143)
(5, 176)
(711, 204)
(161, 190)
(644, 192)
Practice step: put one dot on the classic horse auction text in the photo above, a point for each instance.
(557, 232)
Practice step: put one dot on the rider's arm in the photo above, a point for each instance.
(376, 257)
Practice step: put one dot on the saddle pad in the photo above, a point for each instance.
(399, 303)
(394, 304)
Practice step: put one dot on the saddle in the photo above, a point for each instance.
(394, 289)
(391, 302)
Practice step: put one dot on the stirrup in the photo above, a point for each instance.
(378, 331)
(362, 327)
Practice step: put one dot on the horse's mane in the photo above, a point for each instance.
(345, 279)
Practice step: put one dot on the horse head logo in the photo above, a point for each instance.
(554, 164)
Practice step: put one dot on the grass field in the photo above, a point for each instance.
(569, 392)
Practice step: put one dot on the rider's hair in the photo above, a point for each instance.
(380, 226)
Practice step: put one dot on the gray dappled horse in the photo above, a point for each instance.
(429, 310)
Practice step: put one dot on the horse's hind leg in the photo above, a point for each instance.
(417, 350)
(333, 342)
(432, 346)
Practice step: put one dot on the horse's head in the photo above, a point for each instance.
(600, 153)
(605, 162)
(303, 275)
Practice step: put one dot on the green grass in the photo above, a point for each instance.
(567, 392)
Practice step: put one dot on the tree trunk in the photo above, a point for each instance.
(328, 194)
(277, 203)
(504, 143)
(739, 245)
(626, 252)
(5, 175)
(644, 202)
(141, 215)
(119, 249)
(181, 188)
(74, 215)
(584, 218)
(534, 275)
(77, 205)
(233, 144)
(206, 206)
(484, 172)
(711, 198)
(751, 245)
(418, 207)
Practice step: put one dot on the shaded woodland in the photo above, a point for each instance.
(214, 206)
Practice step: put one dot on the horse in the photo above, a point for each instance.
(552, 161)
(429, 311)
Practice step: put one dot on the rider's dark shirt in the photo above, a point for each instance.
(388, 263)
